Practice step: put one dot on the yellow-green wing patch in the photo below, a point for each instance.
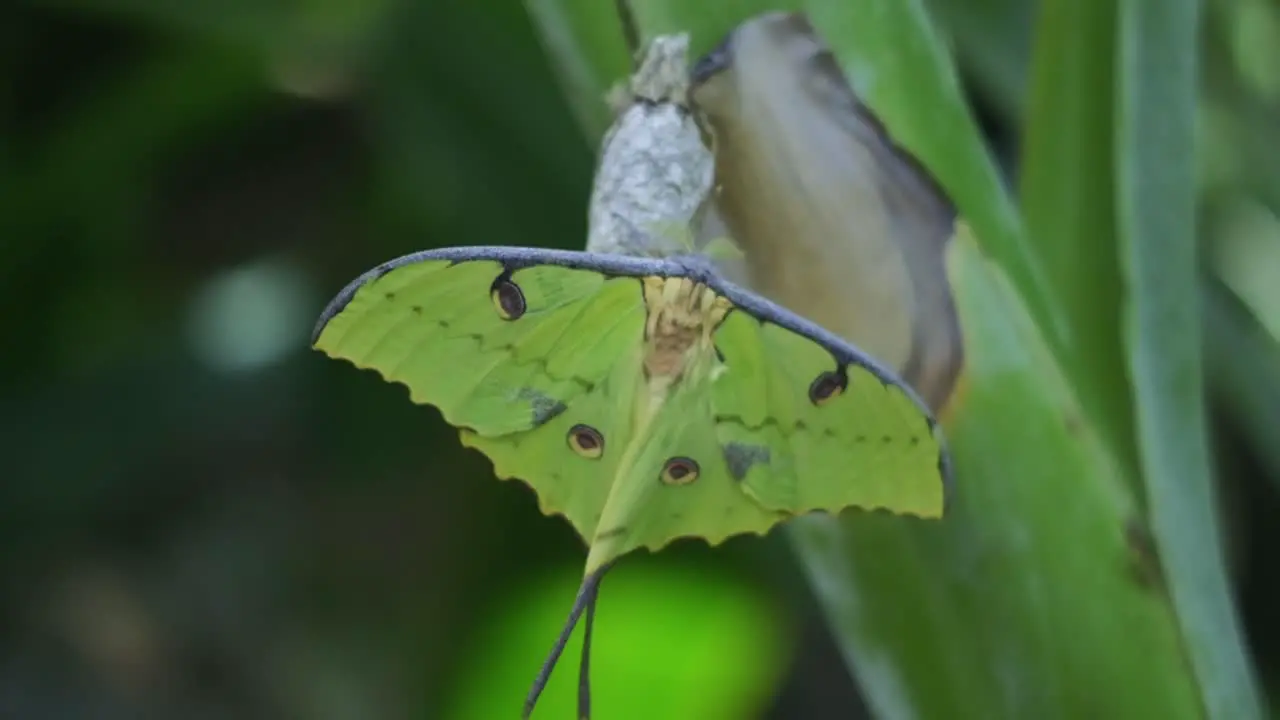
(801, 430)
(676, 484)
(440, 328)
(572, 459)
(516, 358)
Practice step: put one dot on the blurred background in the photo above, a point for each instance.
(201, 518)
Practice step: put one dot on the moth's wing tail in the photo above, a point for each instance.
(584, 602)
(584, 669)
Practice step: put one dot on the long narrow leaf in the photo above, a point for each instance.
(1068, 201)
(1156, 183)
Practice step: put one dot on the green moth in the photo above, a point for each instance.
(645, 399)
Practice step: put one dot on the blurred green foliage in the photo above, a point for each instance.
(200, 518)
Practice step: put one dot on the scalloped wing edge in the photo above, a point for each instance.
(711, 541)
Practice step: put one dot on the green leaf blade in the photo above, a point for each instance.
(1067, 198)
(1156, 209)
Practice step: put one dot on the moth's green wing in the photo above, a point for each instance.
(646, 508)
(519, 388)
(780, 418)
(871, 445)
(434, 325)
(526, 350)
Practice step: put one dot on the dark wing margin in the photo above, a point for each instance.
(513, 258)
(843, 352)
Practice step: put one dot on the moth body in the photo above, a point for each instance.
(682, 314)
